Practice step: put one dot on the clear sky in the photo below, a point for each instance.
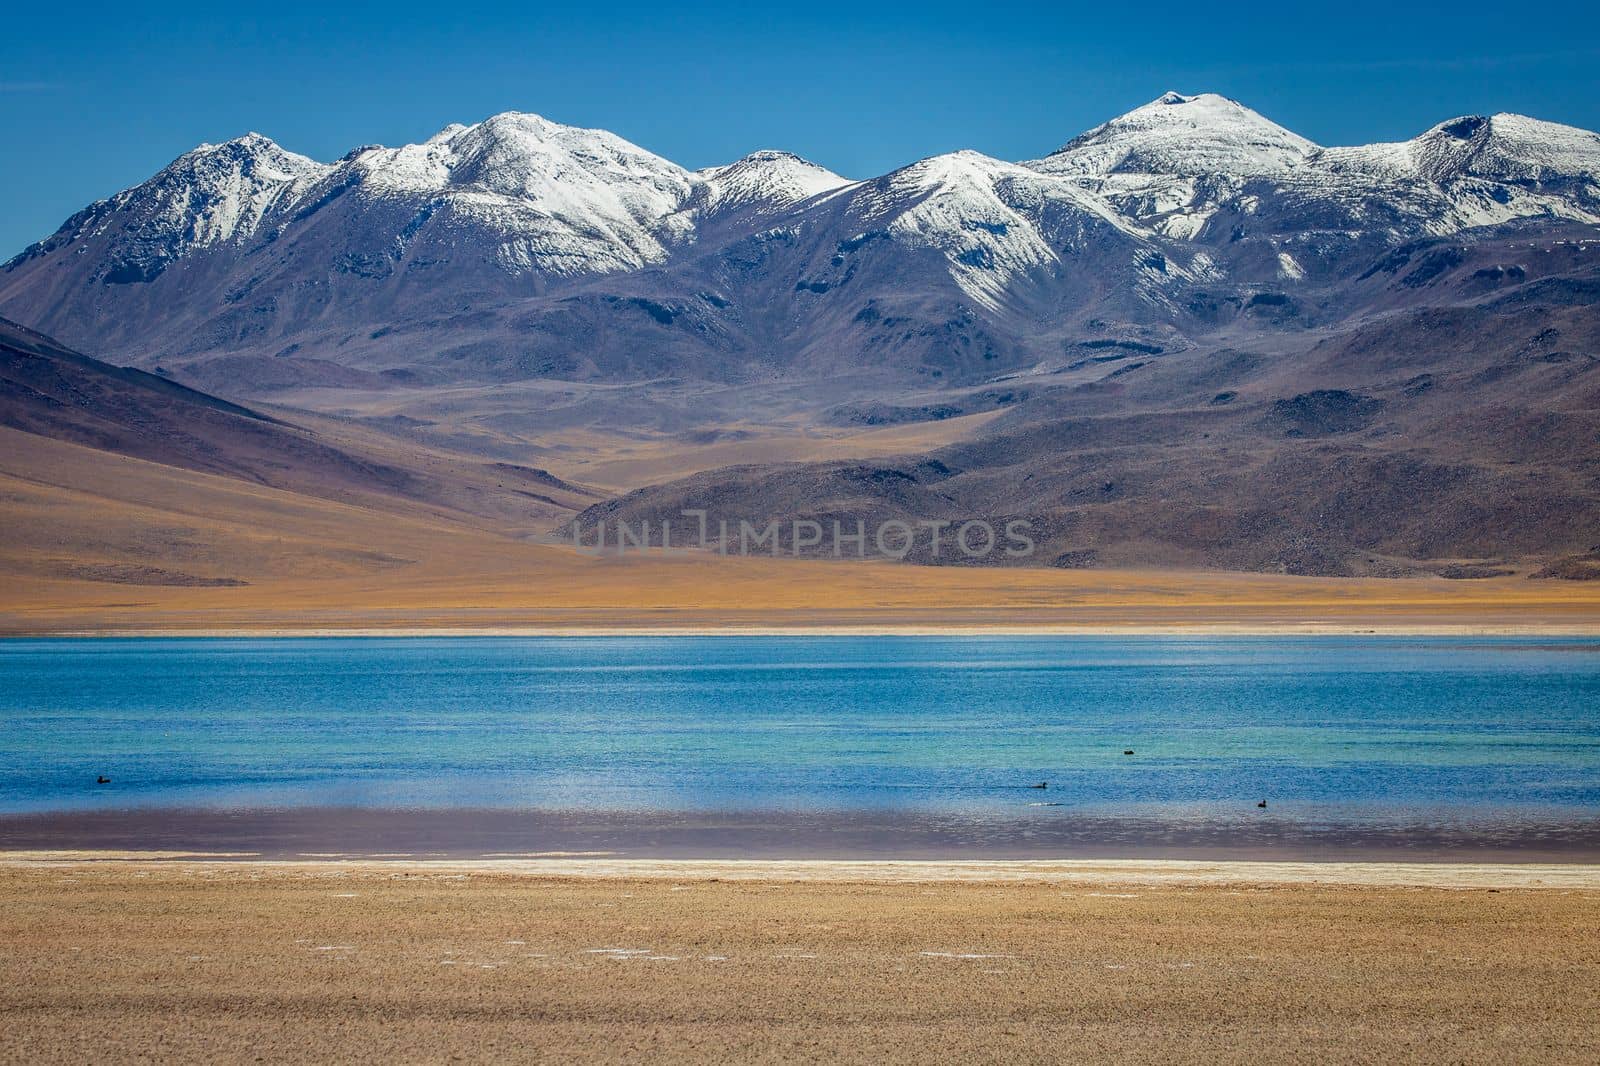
(94, 98)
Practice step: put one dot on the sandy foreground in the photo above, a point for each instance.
(567, 958)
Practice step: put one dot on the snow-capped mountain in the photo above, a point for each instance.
(763, 183)
(212, 195)
(1182, 136)
(520, 247)
(1505, 148)
(546, 198)
(1208, 168)
(997, 228)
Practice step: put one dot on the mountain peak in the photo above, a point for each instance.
(1204, 107)
(1178, 134)
(248, 152)
(526, 127)
(767, 180)
(210, 195)
(1505, 147)
(249, 142)
(447, 132)
(525, 156)
(525, 121)
(771, 155)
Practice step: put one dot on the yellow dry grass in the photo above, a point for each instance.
(215, 963)
(80, 526)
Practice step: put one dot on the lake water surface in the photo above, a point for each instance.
(1496, 737)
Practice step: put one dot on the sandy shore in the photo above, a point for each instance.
(187, 961)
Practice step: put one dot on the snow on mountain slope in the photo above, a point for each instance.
(1503, 148)
(1171, 163)
(1185, 165)
(953, 205)
(543, 198)
(764, 183)
(555, 199)
(1509, 148)
(997, 224)
(209, 196)
(1467, 172)
(1177, 135)
(217, 193)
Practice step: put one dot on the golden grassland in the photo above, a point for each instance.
(95, 542)
(222, 962)
(621, 465)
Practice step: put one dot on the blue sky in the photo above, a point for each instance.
(94, 98)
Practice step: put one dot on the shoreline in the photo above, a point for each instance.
(1020, 834)
(442, 596)
(1462, 875)
(998, 629)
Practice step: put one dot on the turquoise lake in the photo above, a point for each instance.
(1336, 729)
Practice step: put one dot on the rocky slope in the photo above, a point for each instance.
(1460, 439)
(48, 390)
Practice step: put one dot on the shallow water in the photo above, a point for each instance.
(1337, 731)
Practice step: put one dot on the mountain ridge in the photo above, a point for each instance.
(518, 250)
(490, 161)
(1188, 337)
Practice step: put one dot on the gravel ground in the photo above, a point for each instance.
(190, 962)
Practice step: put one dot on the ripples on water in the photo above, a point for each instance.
(1345, 731)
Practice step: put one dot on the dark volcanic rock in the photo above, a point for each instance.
(1324, 412)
